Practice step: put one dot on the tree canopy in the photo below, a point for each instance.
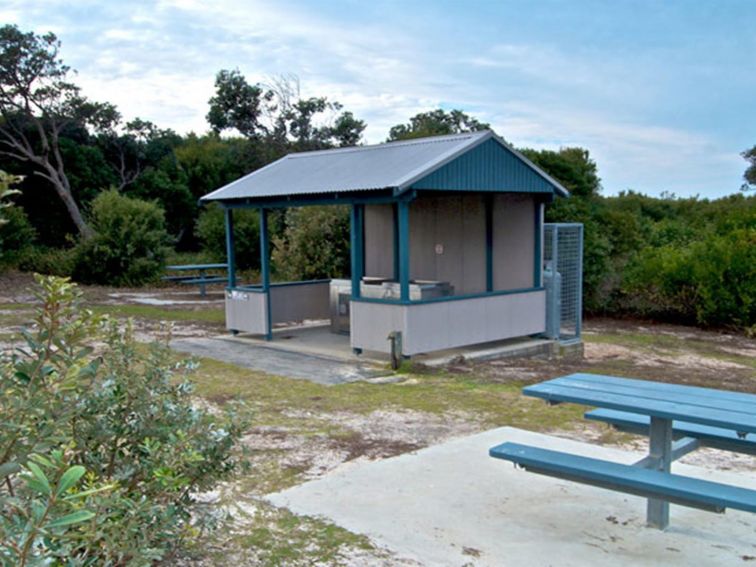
(436, 123)
(276, 114)
(750, 172)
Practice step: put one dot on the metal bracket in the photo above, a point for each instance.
(680, 448)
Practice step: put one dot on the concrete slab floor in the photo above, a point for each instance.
(247, 354)
(318, 339)
(452, 504)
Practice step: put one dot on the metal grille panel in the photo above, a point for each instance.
(563, 279)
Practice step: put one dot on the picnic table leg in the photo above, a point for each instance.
(660, 450)
(202, 285)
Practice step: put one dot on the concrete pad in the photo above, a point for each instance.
(316, 339)
(317, 369)
(521, 347)
(452, 504)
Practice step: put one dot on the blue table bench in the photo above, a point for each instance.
(677, 419)
(202, 279)
(683, 490)
(714, 437)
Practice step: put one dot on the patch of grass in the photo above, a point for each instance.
(16, 314)
(19, 313)
(443, 393)
(157, 313)
(16, 306)
(276, 536)
(670, 345)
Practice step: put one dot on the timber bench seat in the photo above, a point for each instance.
(714, 437)
(631, 479)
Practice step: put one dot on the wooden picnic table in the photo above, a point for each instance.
(677, 419)
(202, 279)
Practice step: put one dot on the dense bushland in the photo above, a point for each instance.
(102, 452)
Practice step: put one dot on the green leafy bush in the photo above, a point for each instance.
(48, 261)
(129, 245)
(314, 244)
(211, 230)
(711, 281)
(16, 236)
(101, 453)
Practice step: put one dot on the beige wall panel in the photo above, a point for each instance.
(422, 226)
(295, 303)
(246, 311)
(379, 240)
(473, 245)
(371, 323)
(513, 241)
(428, 327)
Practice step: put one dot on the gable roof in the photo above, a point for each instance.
(393, 165)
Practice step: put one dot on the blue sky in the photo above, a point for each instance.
(661, 93)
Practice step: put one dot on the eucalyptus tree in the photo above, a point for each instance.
(38, 102)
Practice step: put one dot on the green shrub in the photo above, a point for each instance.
(101, 453)
(49, 261)
(711, 281)
(211, 231)
(17, 236)
(129, 245)
(315, 244)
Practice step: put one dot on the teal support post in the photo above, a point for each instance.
(357, 247)
(538, 245)
(488, 204)
(404, 249)
(395, 214)
(265, 269)
(230, 251)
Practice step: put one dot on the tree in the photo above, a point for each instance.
(573, 167)
(436, 123)
(750, 172)
(6, 182)
(277, 115)
(37, 102)
(237, 105)
(138, 146)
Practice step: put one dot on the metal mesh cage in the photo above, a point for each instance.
(563, 279)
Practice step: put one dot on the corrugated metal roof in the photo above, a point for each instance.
(394, 165)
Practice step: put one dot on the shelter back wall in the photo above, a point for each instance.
(456, 224)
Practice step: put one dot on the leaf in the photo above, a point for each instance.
(72, 518)
(7, 469)
(40, 477)
(69, 478)
(85, 493)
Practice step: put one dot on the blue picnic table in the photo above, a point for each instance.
(677, 420)
(202, 279)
